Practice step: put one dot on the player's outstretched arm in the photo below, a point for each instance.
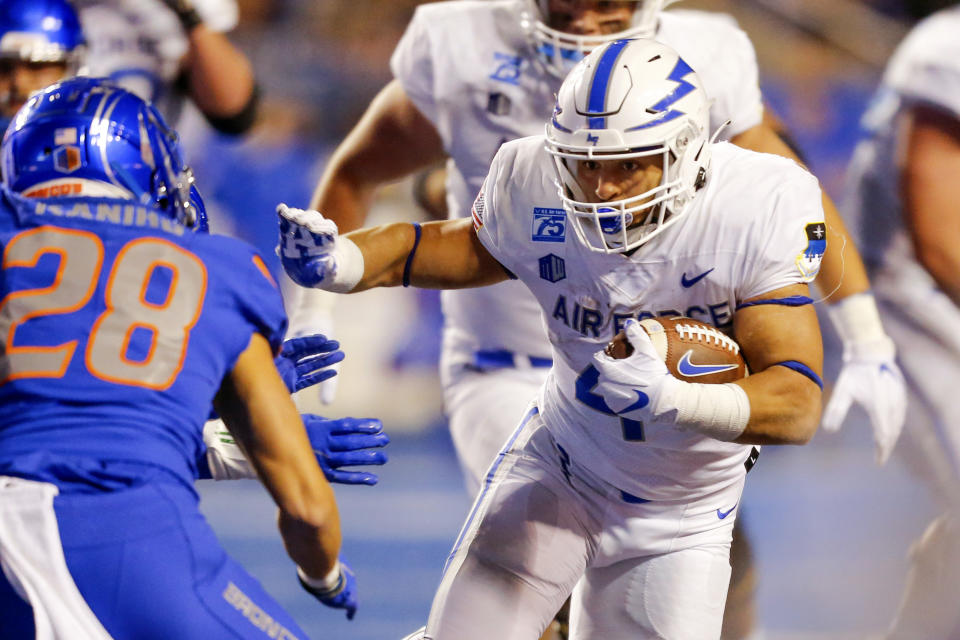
(391, 141)
(336, 442)
(435, 255)
(257, 408)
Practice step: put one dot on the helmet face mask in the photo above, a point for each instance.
(560, 50)
(630, 99)
(103, 141)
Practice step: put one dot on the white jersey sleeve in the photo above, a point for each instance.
(486, 222)
(412, 64)
(793, 229)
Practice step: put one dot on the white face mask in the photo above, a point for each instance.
(560, 51)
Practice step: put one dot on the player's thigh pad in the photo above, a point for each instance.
(483, 408)
(673, 596)
(522, 548)
(151, 568)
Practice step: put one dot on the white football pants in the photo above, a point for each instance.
(653, 570)
(483, 408)
(32, 559)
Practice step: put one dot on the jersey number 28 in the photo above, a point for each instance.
(166, 323)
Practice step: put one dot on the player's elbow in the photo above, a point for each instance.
(802, 415)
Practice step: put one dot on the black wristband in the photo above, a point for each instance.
(187, 14)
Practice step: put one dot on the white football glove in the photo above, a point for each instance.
(869, 376)
(313, 254)
(640, 387)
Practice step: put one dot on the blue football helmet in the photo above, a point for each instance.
(87, 137)
(40, 31)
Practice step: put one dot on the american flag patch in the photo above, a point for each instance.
(477, 212)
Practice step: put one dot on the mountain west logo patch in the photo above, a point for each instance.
(809, 261)
(552, 268)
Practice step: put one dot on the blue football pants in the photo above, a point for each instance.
(150, 568)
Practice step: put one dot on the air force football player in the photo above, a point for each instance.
(472, 75)
(123, 321)
(618, 473)
(904, 201)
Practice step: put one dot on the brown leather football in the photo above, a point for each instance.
(693, 350)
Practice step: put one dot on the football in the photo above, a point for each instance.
(694, 351)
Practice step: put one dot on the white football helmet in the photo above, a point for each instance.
(559, 51)
(629, 99)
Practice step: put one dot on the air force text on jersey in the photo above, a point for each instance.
(596, 323)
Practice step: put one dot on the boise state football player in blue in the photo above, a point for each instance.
(122, 322)
(41, 43)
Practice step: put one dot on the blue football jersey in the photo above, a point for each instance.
(117, 327)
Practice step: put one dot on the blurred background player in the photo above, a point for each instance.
(164, 52)
(470, 76)
(168, 51)
(168, 320)
(618, 472)
(903, 202)
(41, 43)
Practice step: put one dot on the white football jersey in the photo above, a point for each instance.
(756, 226)
(140, 44)
(471, 70)
(925, 69)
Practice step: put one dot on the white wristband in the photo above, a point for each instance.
(349, 260)
(326, 583)
(718, 411)
(857, 319)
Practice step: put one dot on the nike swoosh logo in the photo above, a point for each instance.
(724, 514)
(689, 282)
(642, 401)
(691, 370)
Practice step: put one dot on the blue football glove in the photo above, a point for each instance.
(341, 596)
(346, 442)
(303, 361)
